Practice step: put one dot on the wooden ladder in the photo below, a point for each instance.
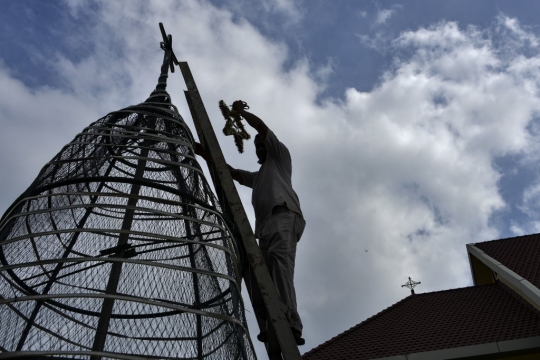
(281, 343)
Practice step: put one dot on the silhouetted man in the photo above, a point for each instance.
(279, 223)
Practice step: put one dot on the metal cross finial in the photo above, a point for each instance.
(169, 59)
(411, 285)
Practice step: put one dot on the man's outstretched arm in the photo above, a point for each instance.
(201, 151)
(253, 120)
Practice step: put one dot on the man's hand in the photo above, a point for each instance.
(201, 151)
(253, 121)
(239, 106)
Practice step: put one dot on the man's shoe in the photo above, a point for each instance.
(298, 337)
(263, 336)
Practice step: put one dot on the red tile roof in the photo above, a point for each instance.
(520, 254)
(434, 321)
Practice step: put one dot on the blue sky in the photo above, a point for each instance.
(413, 126)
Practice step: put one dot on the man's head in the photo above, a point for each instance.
(260, 149)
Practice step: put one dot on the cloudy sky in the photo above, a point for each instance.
(414, 127)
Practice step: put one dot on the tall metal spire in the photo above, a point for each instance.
(119, 248)
(169, 59)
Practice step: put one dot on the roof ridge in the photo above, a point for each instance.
(508, 238)
(453, 289)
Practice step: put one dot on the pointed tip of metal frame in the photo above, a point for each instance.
(163, 33)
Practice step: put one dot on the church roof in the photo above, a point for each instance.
(438, 320)
(519, 254)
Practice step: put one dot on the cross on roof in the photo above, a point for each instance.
(411, 285)
(169, 59)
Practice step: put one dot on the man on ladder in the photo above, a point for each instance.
(279, 222)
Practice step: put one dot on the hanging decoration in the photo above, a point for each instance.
(234, 125)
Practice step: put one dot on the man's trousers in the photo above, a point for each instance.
(279, 235)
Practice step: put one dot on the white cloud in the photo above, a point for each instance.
(36, 123)
(74, 6)
(323, 73)
(530, 206)
(380, 41)
(521, 34)
(531, 200)
(267, 14)
(288, 7)
(404, 170)
(383, 15)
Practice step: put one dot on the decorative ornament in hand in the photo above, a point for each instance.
(234, 126)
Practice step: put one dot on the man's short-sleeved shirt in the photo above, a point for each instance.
(272, 183)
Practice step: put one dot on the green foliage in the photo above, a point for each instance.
(234, 126)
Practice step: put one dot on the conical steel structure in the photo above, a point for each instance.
(119, 248)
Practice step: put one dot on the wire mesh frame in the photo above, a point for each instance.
(119, 250)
